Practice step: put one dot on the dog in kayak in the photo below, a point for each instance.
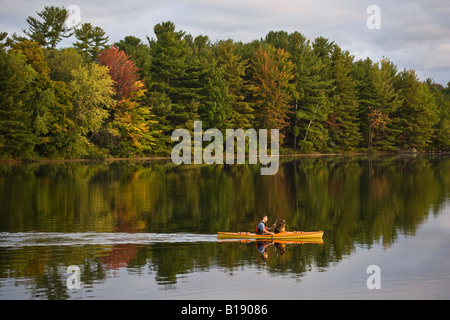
(280, 227)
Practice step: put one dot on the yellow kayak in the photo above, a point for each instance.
(288, 235)
(283, 242)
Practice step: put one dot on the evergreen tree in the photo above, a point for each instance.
(294, 44)
(313, 87)
(233, 70)
(342, 122)
(298, 47)
(362, 71)
(441, 139)
(168, 53)
(322, 47)
(91, 40)
(90, 100)
(207, 77)
(378, 97)
(174, 87)
(417, 114)
(271, 87)
(3, 36)
(51, 30)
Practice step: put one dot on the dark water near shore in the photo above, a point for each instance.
(147, 229)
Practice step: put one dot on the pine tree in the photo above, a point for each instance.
(441, 139)
(3, 36)
(342, 122)
(214, 107)
(417, 114)
(233, 69)
(272, 89)
(91, 41)
(297, 46)
(375, 83)
(313, 87)
(173, 85)
(362, 71)
(51, 30)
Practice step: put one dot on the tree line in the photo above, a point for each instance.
(95, 99)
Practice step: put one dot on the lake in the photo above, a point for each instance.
(147, 229)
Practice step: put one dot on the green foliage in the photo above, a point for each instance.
(92, 91)
(175, 77)
(233, 69)
(91, 40)
(441, 140)
(97, 100)
(342, 122)
(51, 30)
(61, 63)
(417, 114)
(43, 102)
(272, 89)
(16, 76)
(140, 54)
(376, 90)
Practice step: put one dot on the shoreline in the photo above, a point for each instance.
(18, 161)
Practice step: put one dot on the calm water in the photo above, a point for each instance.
(147, 230)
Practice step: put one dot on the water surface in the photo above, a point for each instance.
(147, 229)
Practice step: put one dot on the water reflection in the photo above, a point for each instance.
(278, 247)
(156, 219)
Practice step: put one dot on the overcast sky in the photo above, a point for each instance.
(413, 34)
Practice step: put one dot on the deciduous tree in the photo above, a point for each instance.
(122, 70)
(92, 99)
(16, 76)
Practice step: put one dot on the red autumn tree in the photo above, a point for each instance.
(122, 70)
(130, 122)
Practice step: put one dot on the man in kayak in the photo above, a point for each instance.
(262, 229)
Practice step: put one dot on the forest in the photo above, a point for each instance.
(97, 99)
